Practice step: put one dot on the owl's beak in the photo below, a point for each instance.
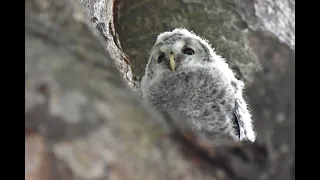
(172, 61)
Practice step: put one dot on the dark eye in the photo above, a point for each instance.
(161, 57)
(188, 51)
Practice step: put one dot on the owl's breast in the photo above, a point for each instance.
(198, 90)
(206, 99)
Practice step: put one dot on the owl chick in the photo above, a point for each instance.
(185, 75)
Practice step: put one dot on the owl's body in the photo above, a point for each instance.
(185, 76)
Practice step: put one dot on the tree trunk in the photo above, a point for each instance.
(84, 119)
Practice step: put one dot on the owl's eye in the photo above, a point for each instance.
(188, 51)
(161, 58)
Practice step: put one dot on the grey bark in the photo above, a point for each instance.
(83, 121)
(101, 16)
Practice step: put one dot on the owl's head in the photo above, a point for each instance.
(176, 49)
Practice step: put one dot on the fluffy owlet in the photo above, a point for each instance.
(185, 75)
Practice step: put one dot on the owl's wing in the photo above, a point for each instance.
(243, 120)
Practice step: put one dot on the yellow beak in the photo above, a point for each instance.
(172, 62)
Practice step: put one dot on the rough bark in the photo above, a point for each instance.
(100, 13)
(82, 120)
